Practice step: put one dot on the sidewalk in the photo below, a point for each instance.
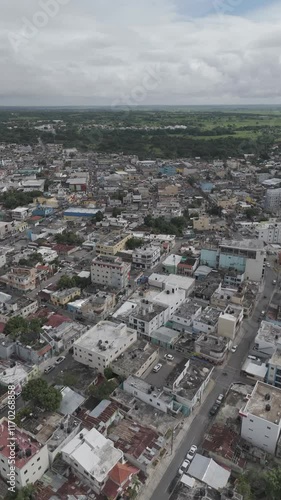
(158, 472)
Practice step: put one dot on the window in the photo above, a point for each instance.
(251, 420)
(269, 428)
(38, 459)
(25, 472)
(40, 467)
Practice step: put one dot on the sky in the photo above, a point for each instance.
(140, 52)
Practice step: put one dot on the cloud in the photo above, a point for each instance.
(154, 51)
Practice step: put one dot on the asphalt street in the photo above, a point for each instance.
(232, 368)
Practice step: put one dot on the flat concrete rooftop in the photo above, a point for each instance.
(257, 403)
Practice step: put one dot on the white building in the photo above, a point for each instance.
(207, 321)
(146, 257)
(229, 321)
(48, 254)
(20, 213)
(172, 297)
(110, 271)
(148, 317)
(2, 260)
(182, 282)
(261, 421)
(103, 343)
(273, 200)
(91, 457)
(246, 257)
(31, 458)
(269, 233)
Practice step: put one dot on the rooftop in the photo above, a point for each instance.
(92, 451)
(104, 335)
(209, 316)
(243, 244)
(188, 309)
(28, 446)
(265, 402)
(135, 356)
(269, 333)
(148, 310)
(196, 373)
(66, 293)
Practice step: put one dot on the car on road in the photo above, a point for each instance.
(274, 282)
(233, 348)
(169, 357)
(157, 367)
(184, 466)
(214, 410)
(191, 452)
(49, 369)
(60, 360)
(219, 399)
(267, 264)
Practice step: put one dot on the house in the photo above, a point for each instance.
(62, 297)
(146, 257)
(110, 271)
(91, 457)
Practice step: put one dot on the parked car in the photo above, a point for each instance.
(169, 357)
(274, 282)
(184, 466)
(233, 349)
(49, 369)
(60, 360)
(213, 410)
(191, 452)
(219, 399)
(157, 367)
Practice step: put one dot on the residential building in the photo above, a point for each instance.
(211, 348)
(6, 228)
(207, 321)
(112, 244)
(147, 393)
(20, 213)
(79, 213)
(148, 316)
(172, 297)
(170, 264)
(2, 260)
(230, 321)
(261, 421)
(267, 340)
(272, 201)
(91, 457)
(246, 257)
(48, 254)
(162, 281)
(31, 458)
(136, 360)
(185, 315)
(62, 297)
(33, 185)
(205, 223)
(273, 375)
(103, 343)
(187, 265)
(110, 271)
(21, 278)
(146, 257)
(269, 233)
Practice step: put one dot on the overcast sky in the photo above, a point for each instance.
(137, 52)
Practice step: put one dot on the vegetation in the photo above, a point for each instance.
(27, 331)
(26, 493)
(72, 281)
(41, 395)
(133, 243)
(263, 486)
(32, 260)
(116, 211)
(161, 226)
(103, 390)
(13, 199)
(251, 212)
(68, 238)
(108, 373)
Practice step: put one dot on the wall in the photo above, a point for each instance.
(260, 432)
(209, 258)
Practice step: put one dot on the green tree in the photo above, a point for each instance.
(108, 373)
(99, 216)
(244, 487)
(68, 238)
(40, 394)
(273, 483)
(103, 390)
(116, 211)
(26, 493)
(133, 243)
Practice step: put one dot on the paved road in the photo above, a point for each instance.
(199, 425)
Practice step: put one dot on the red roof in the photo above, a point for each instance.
(121, 473)
(57, 319)
(24, 442)
(2, 326)
(45, 349)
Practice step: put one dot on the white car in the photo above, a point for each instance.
(219, 399)
(233, 349)
(60, 360)
(169, 357)
(191, 452)
(184, 466)
(157, 368)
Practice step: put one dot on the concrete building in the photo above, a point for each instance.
(62, 297)
(172, 297)
(246, 257)
(31, 458)
(148, 316)
(110, 271)
(103, 343)
(207, 321)
(137, 360)
(143, 391)
(230, 321)
(21, 278)
(185, 315)
(91, 457)
(146, 257)
(170, 264)
(33, 185)
(48, 254)
(267, 341)
(6, 228)
(273, 375)
(272, 201)
(269, 233)
(162, 280)
(261, 421)
(2, 260)
(112, 244)
(20, 213)
(211, 348)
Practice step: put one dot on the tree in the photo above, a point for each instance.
(103, 390)
(68, 238)
(133, 243)
(40, 394)
(244, 487)
(116, 211)
(99, 216)
(26, 493)
(273, 483)
(21, 327)
(251, 212)
(108, 373)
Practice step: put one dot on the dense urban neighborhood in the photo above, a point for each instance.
(140, 320)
